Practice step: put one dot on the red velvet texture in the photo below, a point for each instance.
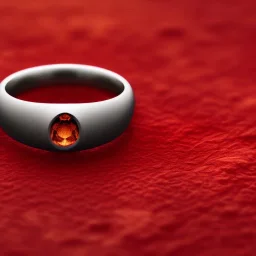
(181, 179)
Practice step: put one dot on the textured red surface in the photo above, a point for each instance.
(181, 179)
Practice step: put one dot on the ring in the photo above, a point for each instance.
(65, 127)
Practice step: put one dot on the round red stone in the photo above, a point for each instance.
(64, 130)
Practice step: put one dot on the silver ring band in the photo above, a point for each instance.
(65, 127)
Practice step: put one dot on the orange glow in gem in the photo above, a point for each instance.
(64, 130)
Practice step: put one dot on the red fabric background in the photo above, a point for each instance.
(181, 179)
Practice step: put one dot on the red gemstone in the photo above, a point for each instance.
(64, 130)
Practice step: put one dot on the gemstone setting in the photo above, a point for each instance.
(64, 130)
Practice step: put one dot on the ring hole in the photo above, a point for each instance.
(74, 93)
(61, 85)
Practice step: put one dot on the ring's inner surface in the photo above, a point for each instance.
(62, 76)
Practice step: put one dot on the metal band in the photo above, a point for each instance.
(98, 122)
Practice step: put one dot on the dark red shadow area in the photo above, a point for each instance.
(66, 94)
